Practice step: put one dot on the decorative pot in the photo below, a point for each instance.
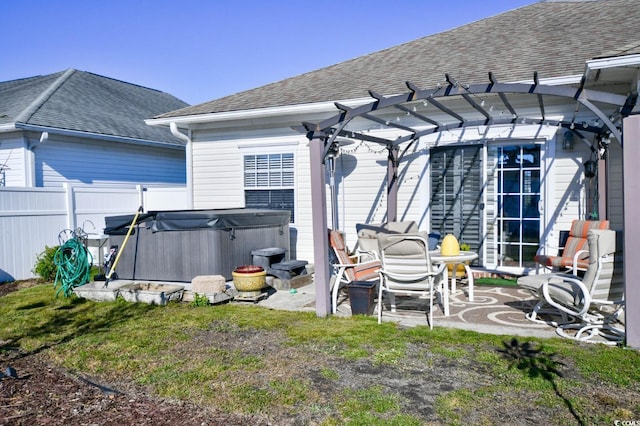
(451, 247)
(249, 278)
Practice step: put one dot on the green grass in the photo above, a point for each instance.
(248, 359)
(495, 282)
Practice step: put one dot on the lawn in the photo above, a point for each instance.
(288, 367)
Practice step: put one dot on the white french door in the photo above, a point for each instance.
(515, 194)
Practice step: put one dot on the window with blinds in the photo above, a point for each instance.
(456, 193)
(269, 182)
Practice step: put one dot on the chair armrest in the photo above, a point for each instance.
(373, 255)
(576, 256)
(353, 265)
(581, 287)
(403, 276)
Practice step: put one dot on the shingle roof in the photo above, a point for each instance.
(554, 38)
(85, 102)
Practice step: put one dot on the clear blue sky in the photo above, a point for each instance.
(199, 50)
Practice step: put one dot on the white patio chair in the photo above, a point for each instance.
(407, 269)
(595, 301)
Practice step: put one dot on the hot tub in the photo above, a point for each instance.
(180, 245)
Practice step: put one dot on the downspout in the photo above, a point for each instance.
(30, 160)
(189, 160)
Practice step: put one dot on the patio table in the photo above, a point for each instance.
(464, 258)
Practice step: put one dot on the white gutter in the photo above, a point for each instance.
(188, 160)
(4, 128)
(89, 135)
(255, 113)
(614, 62)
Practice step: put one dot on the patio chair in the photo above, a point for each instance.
(407, 269)
(595, 301)
(368, 234)
(573, 256)
(348, 267)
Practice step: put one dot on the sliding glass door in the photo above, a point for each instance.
(456, 193)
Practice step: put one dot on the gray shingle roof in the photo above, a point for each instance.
(554, 38)
(86, 102)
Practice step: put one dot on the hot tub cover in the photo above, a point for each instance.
(227, 219)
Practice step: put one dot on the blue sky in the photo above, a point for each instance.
(199, 50)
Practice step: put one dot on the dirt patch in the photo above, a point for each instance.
(6, 288)
(44, 394)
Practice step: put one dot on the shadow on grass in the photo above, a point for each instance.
(535, 362)
(68, 321)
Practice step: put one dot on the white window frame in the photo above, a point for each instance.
(271, 148)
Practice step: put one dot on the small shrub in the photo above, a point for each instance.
(45, 267)
(200, 300)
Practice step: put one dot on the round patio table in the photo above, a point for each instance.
(464, 258)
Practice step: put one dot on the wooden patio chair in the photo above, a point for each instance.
(348, 267)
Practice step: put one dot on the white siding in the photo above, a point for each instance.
(361, 174)
(566, 196)
(218, 180)
(13, 160)
(217, 175)
(362, 194)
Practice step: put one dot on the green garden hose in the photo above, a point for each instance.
(73, 262)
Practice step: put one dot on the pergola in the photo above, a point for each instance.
(597, 108)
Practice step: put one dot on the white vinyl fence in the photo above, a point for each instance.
(32, 218)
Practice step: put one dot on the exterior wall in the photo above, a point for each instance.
(13, 159)
(361, 175)
(66, 160)
(362, 193)
(566, 188)
(218, 181)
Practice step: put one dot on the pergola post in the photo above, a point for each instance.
(392, 184)
(631, 212)
(322, 276)
(603, 189)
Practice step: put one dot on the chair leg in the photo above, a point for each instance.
(431, 309)
(380, 303)
(334, 295)
(335, 289)
(392, 301)
(596, 328)
(586, 332)
(541, 308)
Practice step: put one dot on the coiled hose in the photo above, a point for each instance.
(73, 262)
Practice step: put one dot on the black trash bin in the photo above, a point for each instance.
(362, 295)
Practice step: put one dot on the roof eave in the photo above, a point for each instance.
(248, 114)
(97, 136)
(613, 62)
